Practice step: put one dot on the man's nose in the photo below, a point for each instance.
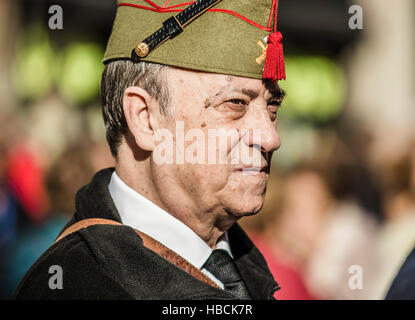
(263, 134)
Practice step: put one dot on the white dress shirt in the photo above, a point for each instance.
(140, 213)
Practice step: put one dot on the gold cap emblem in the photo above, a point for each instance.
(142, 49)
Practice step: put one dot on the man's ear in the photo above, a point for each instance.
(137, 106)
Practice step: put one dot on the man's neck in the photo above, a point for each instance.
(209, 224)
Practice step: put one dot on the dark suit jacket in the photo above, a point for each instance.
(403, 286)
(110, 262)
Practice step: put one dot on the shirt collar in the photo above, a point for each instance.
(140, 213)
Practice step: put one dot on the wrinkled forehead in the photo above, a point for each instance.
(219, 84)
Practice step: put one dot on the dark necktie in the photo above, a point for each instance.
(222, 266)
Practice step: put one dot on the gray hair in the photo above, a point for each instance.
(118, 75)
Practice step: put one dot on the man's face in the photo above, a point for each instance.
(228, 176)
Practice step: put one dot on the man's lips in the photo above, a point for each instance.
(252, 170)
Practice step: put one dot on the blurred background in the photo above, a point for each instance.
(339, 216)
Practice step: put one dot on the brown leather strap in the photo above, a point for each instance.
(85, 224)
(149, 243)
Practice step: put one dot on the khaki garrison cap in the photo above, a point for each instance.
(226, 37)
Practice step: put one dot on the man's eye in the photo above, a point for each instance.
(238, 103)
(274, 103)
(273, 107)
(273, 110)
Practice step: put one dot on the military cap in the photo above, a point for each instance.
(235, 37)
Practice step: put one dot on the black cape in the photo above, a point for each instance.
(111, 262)
(403, 286)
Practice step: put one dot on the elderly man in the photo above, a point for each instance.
(162, 225)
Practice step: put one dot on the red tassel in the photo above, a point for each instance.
(274, 68)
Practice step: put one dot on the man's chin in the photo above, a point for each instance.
(245, 209)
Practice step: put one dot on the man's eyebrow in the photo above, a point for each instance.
(250, 93)
(226, 89)
(280, 95)
(275, 91)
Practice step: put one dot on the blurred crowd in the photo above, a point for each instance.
(37, 188)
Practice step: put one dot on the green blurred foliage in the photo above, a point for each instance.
(316, 88)
(80, 72)
(39, 68)
(33, 65)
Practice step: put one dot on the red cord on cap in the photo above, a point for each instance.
(174, 8)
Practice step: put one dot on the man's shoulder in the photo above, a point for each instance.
(79, 266)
